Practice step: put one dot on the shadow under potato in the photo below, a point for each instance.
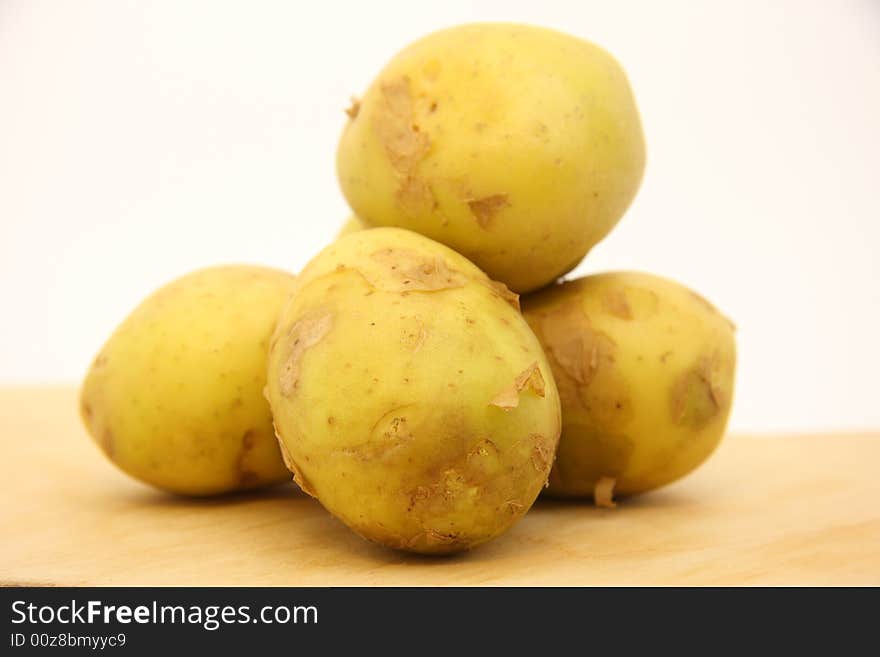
(655, 498)
(148, 496)
(282, 519)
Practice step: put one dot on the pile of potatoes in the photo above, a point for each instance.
(396, 376)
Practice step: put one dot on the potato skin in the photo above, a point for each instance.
(175, 397)
(519, 147)
(645, 370)
(409, 396)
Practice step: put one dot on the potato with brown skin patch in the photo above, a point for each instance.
(175, 398)
(645, 370)
(520, 147)
(409, 394)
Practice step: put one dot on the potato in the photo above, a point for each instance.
(645, 371)
(520, 147)
(175, 397)
(352, 225)
(409, 395)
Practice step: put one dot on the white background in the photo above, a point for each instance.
(141, 140)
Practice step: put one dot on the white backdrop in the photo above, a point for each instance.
(139, 141)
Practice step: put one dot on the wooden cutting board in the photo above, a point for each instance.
(763, 510)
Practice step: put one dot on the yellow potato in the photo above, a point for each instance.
(352, 225)
(520, 147)
(175, 397)
(409, 395)
(645, 370)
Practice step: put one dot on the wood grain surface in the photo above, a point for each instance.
(763, 510)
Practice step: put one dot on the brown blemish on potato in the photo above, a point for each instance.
(483, 448)
(304, 334)
(453, 483)
(530, 378)
(397, 430)
(433, 537)
(503, 292)
(513, 506)
(389, 433)
(575, 346)
(410, 271)
(583, 360)
(615, 303)
(396, 434)
(404, 142)
(696, 396)
(414, 195)
(542, 454)
(414, 334)
(603, 493)
(484, 209)
(443, 478)
(468, 474)
(417, 495)
(444, 487)
(353, 109)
